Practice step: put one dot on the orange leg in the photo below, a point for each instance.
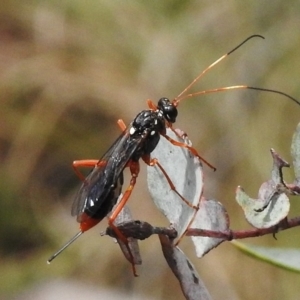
(85, 163)
(151, 105)
(181, 135)
(191, 149)
(152, 162)
(134, 169)
(121, 124)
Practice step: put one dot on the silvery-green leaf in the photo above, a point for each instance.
(191, 284)
(277, 210)
(272, 205)
(185, 172)
(212, 216)
(295, 151)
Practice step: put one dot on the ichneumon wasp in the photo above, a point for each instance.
(101, 188)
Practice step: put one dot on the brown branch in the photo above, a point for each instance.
(242, 234)
(142, 230)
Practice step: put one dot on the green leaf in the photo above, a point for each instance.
(285, 258)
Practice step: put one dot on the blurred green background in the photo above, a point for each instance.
(70, 69)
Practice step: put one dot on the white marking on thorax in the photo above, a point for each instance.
(132, 130)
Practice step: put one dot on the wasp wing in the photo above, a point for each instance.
(105, 180)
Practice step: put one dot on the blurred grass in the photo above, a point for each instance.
(70, 69)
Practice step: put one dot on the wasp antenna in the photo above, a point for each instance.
(245, 41)
(75, 237)
(179, 98)
(274, 91)
(240, 87)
